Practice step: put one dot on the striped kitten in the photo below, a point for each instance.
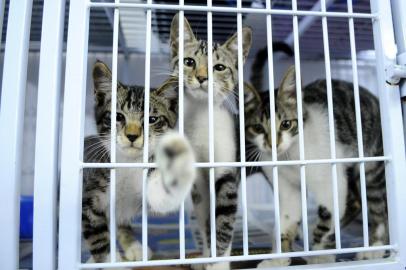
(225, 78)
(317, 146)
(168, 184)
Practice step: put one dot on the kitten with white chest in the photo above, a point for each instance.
(167, 185)
(225, 80)
(317, 146)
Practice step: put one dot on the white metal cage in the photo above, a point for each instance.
(57, 237)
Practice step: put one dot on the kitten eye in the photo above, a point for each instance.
(189, 62)
(153, 119)
(286, 124)
(219, 67)
(258, 128)
(120, 117)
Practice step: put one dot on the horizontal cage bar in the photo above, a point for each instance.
(243, 164)
(238, 258)
(235, 10)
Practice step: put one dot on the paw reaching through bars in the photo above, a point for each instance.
(175, 171)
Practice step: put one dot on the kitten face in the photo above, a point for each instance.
(195, 62)
(130, 112)
(258, 123)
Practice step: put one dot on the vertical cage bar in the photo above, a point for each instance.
(181, 123)
(392, 126)
(146, 134)
(2, 7)
(113, 134)
(47, 136)
(300, 123)
(72, 137)
(331, 124)
(242, 131)
(211, 130)
(272, 111)
(359, 126)
(11, 128)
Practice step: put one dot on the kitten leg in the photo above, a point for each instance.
(226, 188)
(323, 233)
(290, 218)
(377, 212)
(95, 231)
(131, 247)
(201, 208)
(172, 180)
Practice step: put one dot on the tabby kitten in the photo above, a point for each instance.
(317, 146)
(225, 78)
(167, 185)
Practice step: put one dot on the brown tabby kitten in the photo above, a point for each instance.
(316, 141)
(167, 185)
(225, 80)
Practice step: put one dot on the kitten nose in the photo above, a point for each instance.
(132, 137)
(201, 79)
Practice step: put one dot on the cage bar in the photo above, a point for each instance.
(359, 126)
(47, 136)
(72, 137)
(392, 127)
(331, 125)
(146, 134)
(113, 134)
(11, 128)
(245, 258)
(300, 124)
(272, 112)
(245, 164)
(2, 7)
(211, 131)
(210, 8)
(242, 130)
(181, 123)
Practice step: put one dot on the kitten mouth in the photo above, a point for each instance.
(201, 88)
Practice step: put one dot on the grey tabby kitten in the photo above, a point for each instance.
(167, 185)
(317, 146)
(225, 79)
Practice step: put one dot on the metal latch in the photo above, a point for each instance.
(394, 73)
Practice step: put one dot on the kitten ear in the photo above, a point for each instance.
(168, 90)
(232, 43)
(188, 35)
(252, 99)
(287, 88)
(102, 81)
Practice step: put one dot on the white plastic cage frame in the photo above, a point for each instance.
(46, 167)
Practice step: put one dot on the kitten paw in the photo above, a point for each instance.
(134, 252)
(118, 259)
(321, 259)
(175, 158)
(211, 266)
(372, 255)
(274, 263)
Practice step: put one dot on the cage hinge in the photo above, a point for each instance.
(394, 73)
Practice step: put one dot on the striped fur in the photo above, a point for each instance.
(168, 184)
(257, 68)
(225, 79)
(317, 144)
